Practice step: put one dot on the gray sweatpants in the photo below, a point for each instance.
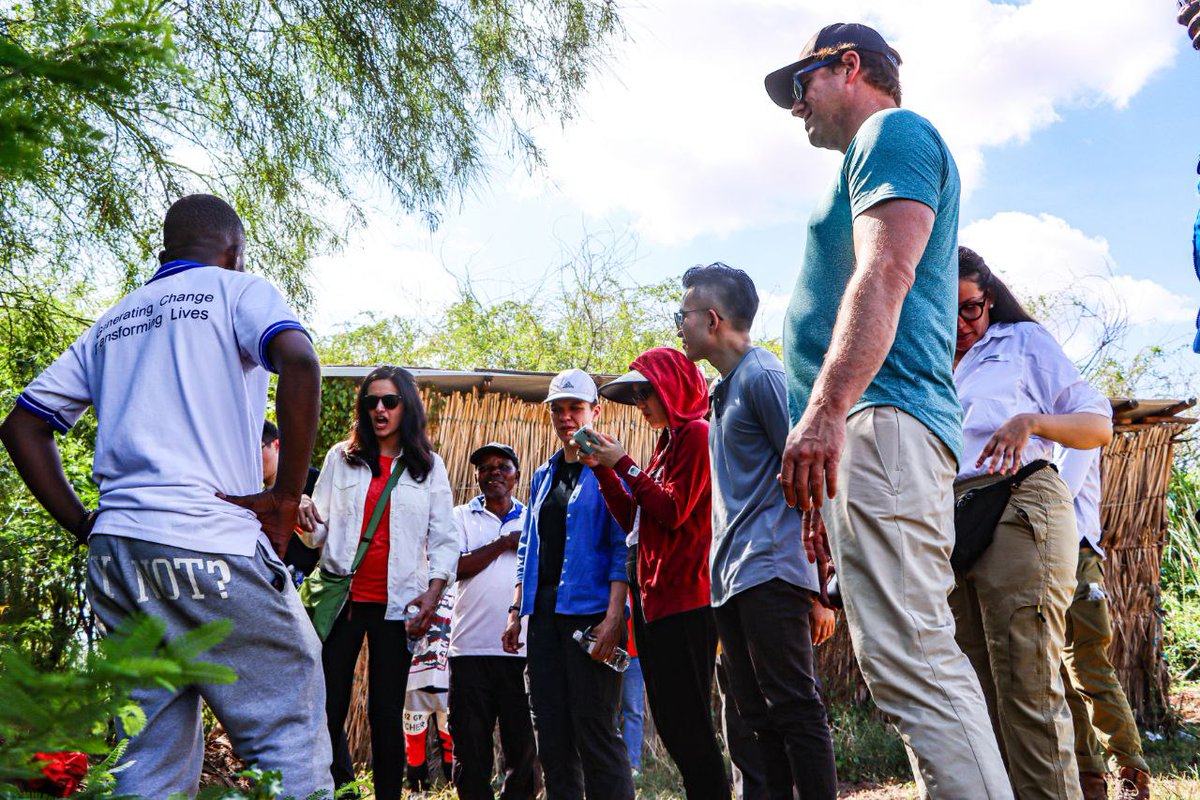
(274, 713)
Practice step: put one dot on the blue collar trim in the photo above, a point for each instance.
(478, 507)
(174, 268)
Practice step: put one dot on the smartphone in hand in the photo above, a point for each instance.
(585, 437)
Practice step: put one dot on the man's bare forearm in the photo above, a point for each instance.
(297, 408)
(889, 240)
(472, 563)
(862, 337)
(617, 592)
(34, 452)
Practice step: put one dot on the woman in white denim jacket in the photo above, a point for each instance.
(1020, 395)
(409, 562)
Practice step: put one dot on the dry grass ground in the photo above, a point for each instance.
(871, 756)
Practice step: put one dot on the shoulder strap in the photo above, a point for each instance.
(1029, 469)
(376, 515)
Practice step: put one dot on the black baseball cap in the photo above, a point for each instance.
(494, 448)
(840, 35)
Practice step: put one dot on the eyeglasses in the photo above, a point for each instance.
(798, 84)
(504, 467)
(679, 315)
(642, 392)
(370, 401)
(972, 310)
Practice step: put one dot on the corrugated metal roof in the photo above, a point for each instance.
(529, 386)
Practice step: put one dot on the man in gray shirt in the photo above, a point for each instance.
(763, 586)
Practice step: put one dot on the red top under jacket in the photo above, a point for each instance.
(369, 584)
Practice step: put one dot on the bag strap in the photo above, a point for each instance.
(1027, 470)
(376, 515)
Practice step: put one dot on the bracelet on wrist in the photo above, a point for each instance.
(514, 608)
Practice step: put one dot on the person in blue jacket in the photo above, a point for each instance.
(571, 577)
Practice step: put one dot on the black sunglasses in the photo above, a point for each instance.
(641, 393)
(370, 401)
(798, 84)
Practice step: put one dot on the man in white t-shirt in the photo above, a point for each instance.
(177, 374)
(486, 683)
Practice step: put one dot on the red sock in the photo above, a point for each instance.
(414, 748)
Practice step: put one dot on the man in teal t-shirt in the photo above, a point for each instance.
(868, 346)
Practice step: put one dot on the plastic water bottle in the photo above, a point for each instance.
(417, 645)
(619, 660)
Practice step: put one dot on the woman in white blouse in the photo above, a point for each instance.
(410, 559)
(1020, 395)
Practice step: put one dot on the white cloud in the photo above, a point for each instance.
(391, 268)
(1044, 256)
(682, 136)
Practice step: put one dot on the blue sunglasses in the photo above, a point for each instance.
(798, 84)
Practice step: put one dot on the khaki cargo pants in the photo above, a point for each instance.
(1010, 608)
(1097, 701)
(891, 528)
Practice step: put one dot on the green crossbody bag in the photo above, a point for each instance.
(323, 593)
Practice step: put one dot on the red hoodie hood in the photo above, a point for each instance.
(677, 382)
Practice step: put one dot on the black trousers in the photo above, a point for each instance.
(574, 702)
(678, 653)
(387, 681)
(484, 690)
(749, 777)
(767, 646)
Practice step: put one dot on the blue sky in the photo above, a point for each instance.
(1076, 139)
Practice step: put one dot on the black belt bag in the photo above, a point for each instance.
(978, 512)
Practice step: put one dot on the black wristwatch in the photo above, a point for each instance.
(515, 608)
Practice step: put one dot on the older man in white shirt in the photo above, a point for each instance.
(487, 684)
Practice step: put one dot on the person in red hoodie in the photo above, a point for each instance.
(667, 511)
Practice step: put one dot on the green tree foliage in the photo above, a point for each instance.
(1181, 568)
(293, 110)
(42, 605)
(586, 313)
(289, 109)
(374, 340)
(590, 315)
(59, 66)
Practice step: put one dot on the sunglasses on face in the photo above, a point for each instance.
(370, 401)
(972, 310)
(797, 78)
(641, 393)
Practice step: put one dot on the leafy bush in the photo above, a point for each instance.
(1181, 573)
(865, 747)
(1181, 637)
(70, 710)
